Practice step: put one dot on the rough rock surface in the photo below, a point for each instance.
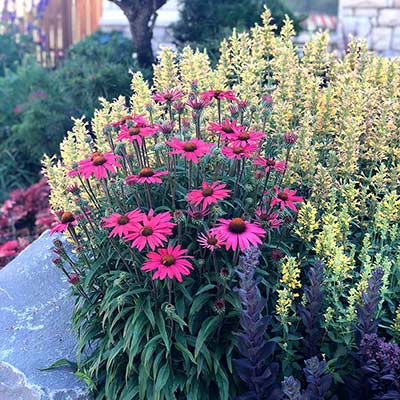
(35, 328)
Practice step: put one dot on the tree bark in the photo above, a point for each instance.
(141, 15)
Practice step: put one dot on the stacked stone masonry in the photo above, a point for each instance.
(376, 20)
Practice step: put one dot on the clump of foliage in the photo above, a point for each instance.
(14, 48)
(328, 128)
(23, 217)
(41, 102)
(203, 24)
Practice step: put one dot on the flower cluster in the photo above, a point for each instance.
(23, 217)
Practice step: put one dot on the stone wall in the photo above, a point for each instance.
(376, 20)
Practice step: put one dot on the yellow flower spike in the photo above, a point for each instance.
(307, 222)
(141, 95)
(195, 66)
(166, 71)
(396, 324)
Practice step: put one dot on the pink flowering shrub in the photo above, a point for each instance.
(163, 212)
(23, 217)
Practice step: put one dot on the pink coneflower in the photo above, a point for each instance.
(169, 262)
(238, 152)
(208, 194)
(270, 163)
(225, 127)
(242, 104)
(198, 103)
(146, 175)
(166, 127)
(66, 220)
(122, 224)
(268, 218)
(211, 241)
(197, 213)
(168, 95)
(179, 107)
(151, 230)
(192, 150)
(286, 198)
(98, 164)
(219, 94)
(137, 129)
(244, 137)
(239, 233)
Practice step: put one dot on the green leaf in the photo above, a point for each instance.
(208, 327)
(162, 378)
(197, 304)
(147, 354)
(62, 362)
(185, 351)
(85, 378)
(223, 384)
(149, 312)
(163, 332)
(205, 288)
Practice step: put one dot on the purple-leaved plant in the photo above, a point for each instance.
(380, 363)
(359, 385)
(366, 311)
(318, 382)
(253, 367)
(310, 312)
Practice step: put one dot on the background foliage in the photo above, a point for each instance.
(204, 24)
(41, 102)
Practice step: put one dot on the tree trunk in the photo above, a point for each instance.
(142, 33)
(141, 15)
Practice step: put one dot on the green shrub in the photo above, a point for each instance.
(41, 102)
(204, 23)
(13, 48)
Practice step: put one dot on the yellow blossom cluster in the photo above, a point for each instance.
(289, 283)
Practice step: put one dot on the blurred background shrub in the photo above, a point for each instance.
(204, 23)
(41, 102)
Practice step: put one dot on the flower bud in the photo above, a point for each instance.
(277, 254)
(169, 309)
(224, 273)
(219, 306)
(107, 130)
(73, 279)
(58, 243)
(57, 261)
(290, 138)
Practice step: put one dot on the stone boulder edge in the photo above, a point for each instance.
(35, 328)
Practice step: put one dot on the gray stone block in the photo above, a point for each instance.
(35, 328)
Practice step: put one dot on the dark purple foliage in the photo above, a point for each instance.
(359, 385)
(318, 382)
(310, 313)
(366, 311)
(380, 363)
(252, 368)
(291, 388)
